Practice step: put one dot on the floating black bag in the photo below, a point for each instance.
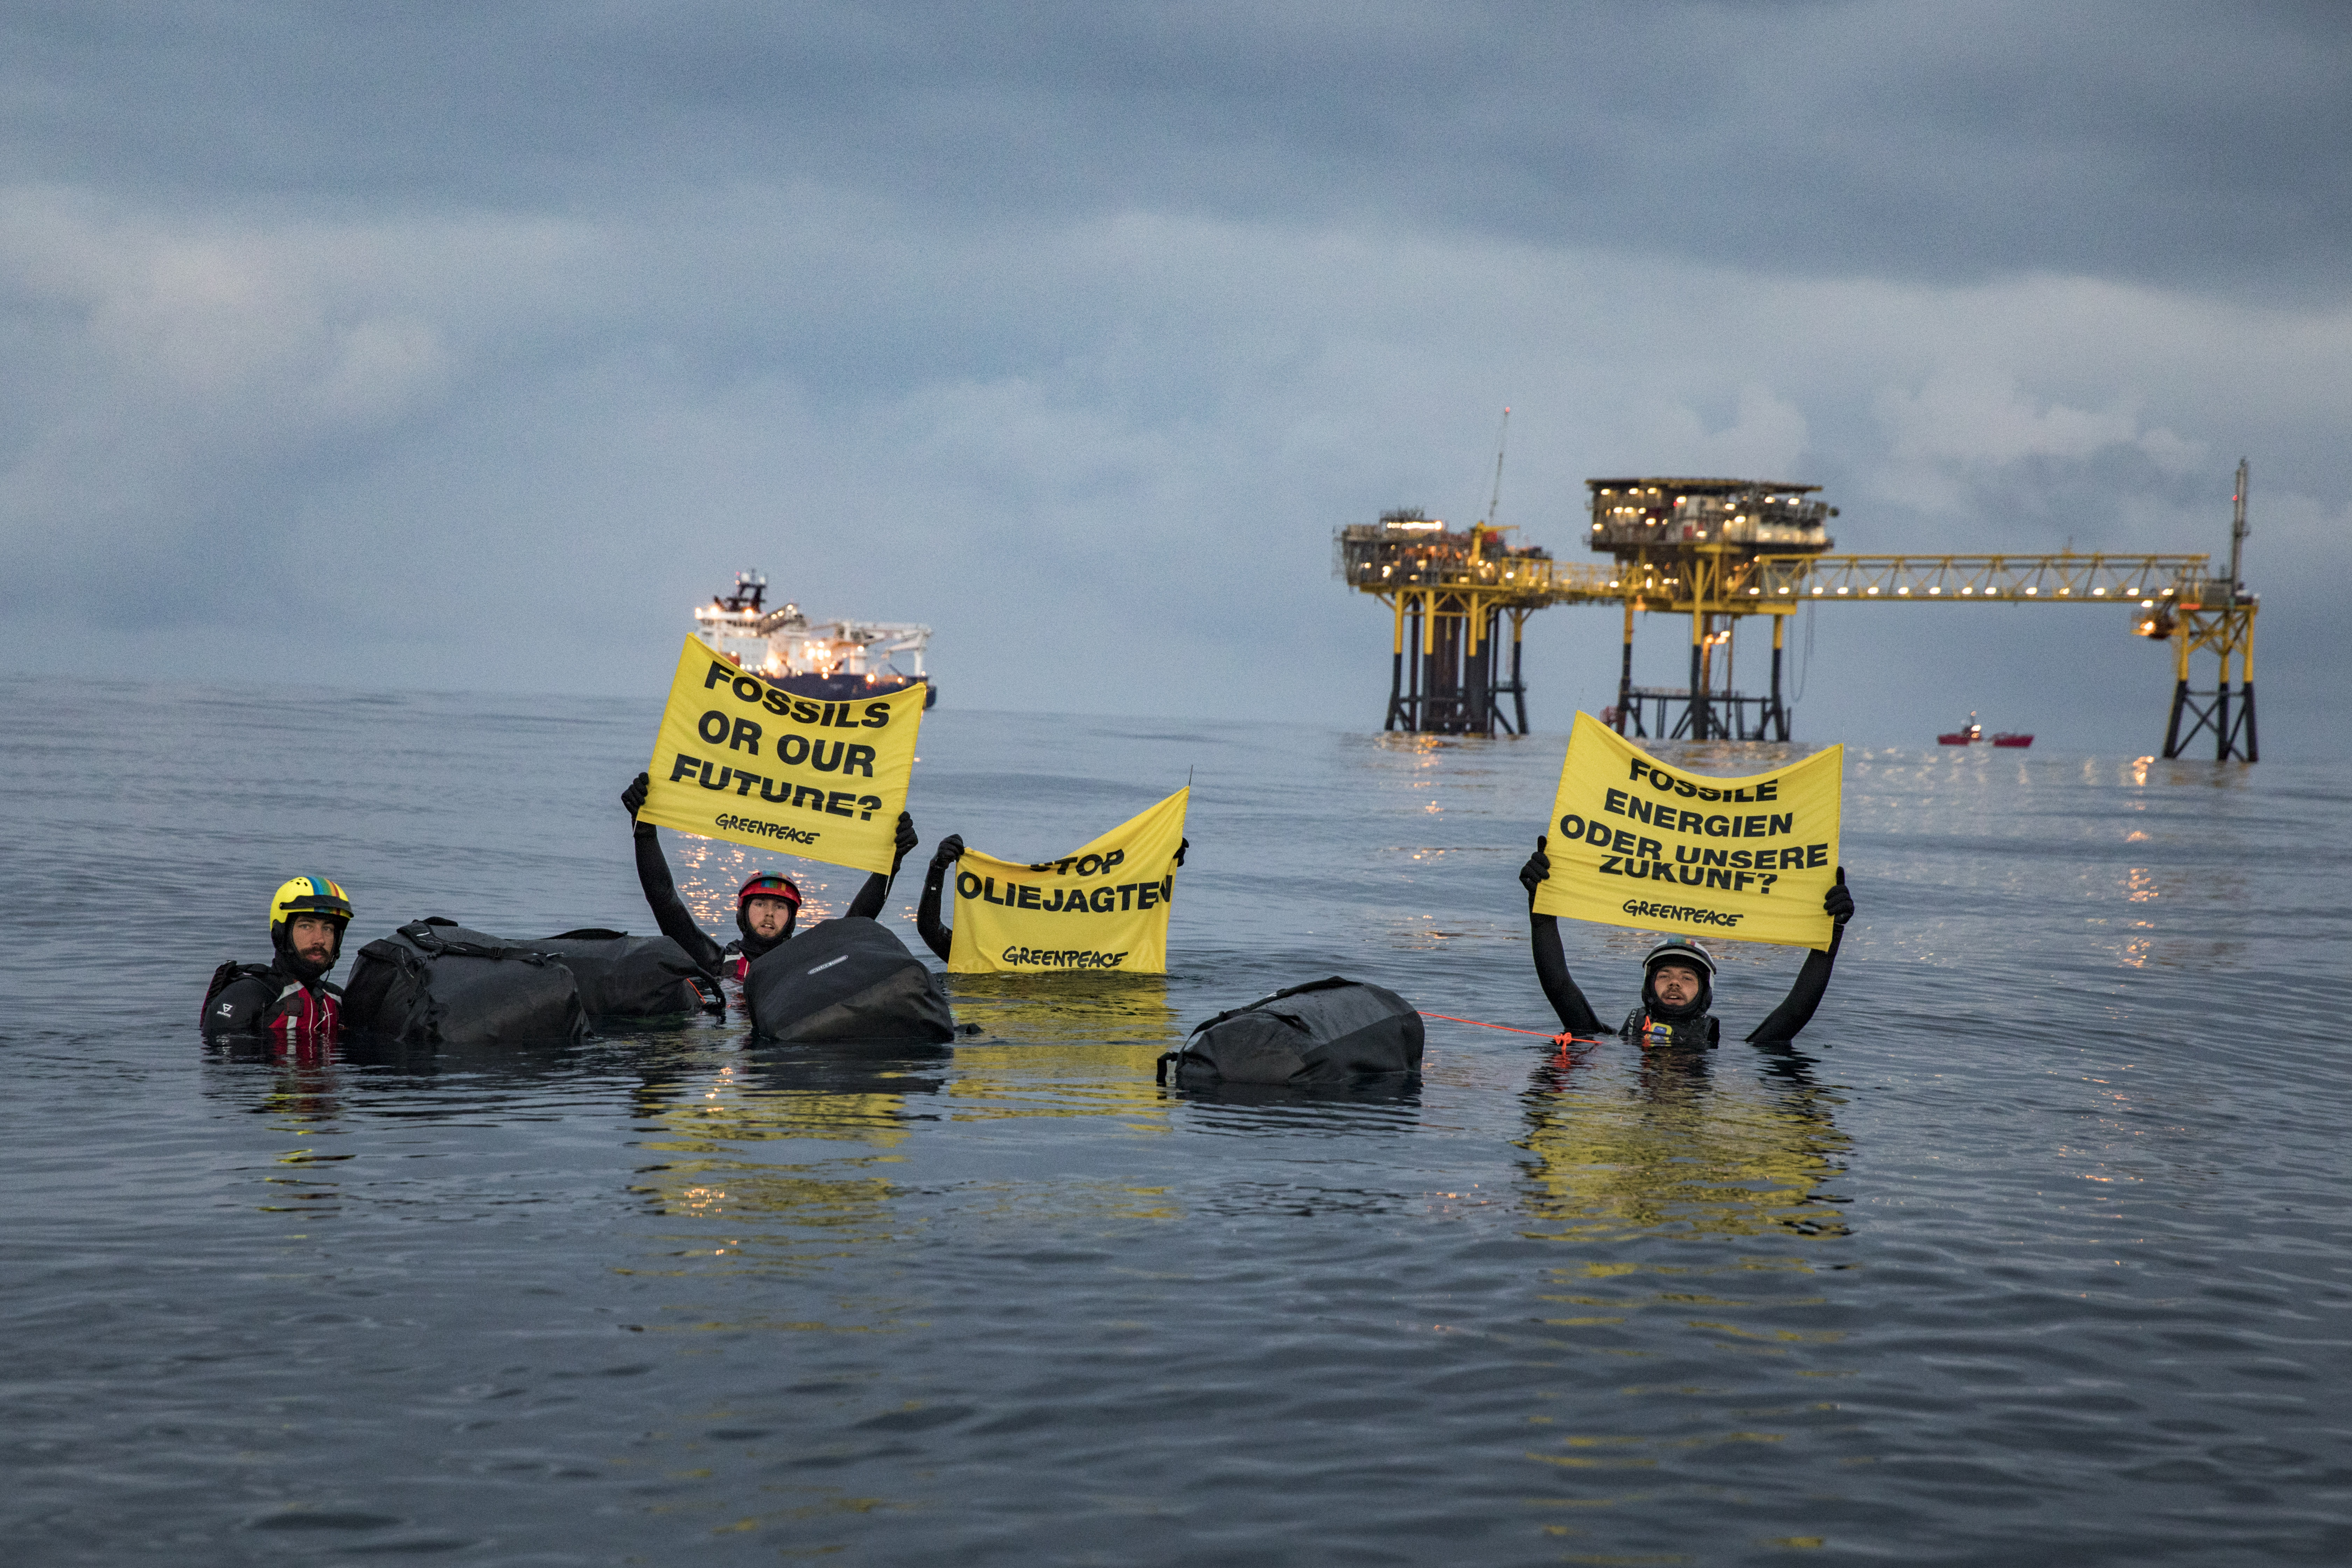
(847, 979)
(1331, 1031)
(623, 976)
(433, 983)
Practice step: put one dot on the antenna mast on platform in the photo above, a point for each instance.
(2238, 532)
(1500, 442)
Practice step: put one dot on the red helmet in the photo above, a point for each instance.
(769, 886)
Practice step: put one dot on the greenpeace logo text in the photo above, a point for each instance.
(1064, 958)
(1684, 913)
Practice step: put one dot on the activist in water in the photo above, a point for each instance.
(766, 907)
(939, 937)
(286, 999)
(1677, 979)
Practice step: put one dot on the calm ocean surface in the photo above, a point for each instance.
(2040, 1251)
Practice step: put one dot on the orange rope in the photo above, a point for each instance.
(1562, 1041)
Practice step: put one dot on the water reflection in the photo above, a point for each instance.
(1671, 1151)
(298, 1090)
(759, 1202)
(1072, 1045)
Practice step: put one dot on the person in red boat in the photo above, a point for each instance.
(767, 907)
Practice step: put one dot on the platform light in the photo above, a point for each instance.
(1817, 593)
(2147, 603)
(2031, 592)
(1935, 590)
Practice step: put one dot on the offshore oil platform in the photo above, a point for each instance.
(1716, 551)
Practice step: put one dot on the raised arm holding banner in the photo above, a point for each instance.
(739, 759)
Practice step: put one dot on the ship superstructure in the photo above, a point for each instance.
(837, 658)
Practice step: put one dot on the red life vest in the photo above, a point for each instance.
(304, 1017)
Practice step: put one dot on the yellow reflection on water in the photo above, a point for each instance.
(303, 1099)
(755, 1210)
(1671, 1153)
(1070, 1045)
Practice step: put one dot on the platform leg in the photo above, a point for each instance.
(2172, 727)
(1518, 681)
(1625, 678)
(1779, 712)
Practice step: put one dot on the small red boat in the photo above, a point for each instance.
(2006, 739)
(1966, 735)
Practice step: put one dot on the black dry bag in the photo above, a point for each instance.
(433, 983)
(1326, 1032)
(626, 977)
(847, 979)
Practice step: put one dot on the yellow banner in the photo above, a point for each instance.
(739, 759)
(1103, 906)
(1637, 843)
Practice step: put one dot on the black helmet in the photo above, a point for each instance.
(1683, 951)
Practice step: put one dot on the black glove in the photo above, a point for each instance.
(1536, 872)
(1179, 851)
(950, 849)
(906, 839)
(633, 797)
(1837, 903)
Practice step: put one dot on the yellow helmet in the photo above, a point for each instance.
(308, 896)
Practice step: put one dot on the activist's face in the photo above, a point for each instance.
(767, 917)
(1674, 984)
(312, 937)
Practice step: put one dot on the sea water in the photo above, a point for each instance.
(2035, 1251)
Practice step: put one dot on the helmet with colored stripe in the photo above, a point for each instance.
(767, 885)
(308, 896)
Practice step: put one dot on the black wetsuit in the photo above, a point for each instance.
(1577, 1017)
(732, 959)
(276, 1002)
(939, 939)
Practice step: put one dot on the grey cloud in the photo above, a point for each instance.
(2194, 145)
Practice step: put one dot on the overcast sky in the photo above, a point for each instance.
(468, 345)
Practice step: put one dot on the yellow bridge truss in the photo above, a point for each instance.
(1458, 603)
